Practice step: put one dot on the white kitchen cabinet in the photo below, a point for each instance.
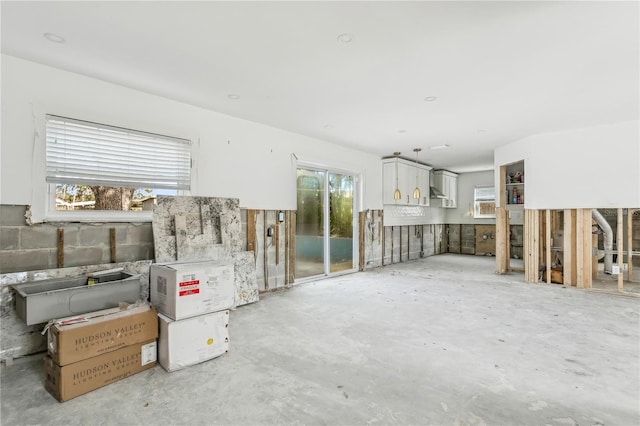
(447, 183)
(409, 173)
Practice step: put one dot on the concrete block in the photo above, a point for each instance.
(138, 234)
(94, 236)
(12, 215)
(133, 252)
(468, 232)
(71, 236)
(9, 238)
(122, 232)
(38, 237)
(516, 234)
(26, 260)
(75, 256)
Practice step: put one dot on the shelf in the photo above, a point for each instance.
(514, 184)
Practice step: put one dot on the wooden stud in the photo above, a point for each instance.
(579, 248)
(548, 244)
(588, 248)
(251, 232)
(362, 218)
(276, 237)
(112, 244)
(502, 240)
(630, 244)
(568, 264)
(286, 248)
(265, 256)
(392, 228)
(583, 248)
(620, 247)
(400, 246)
(535, 246)
(531, 245)
(594, 251)
(527, 244)
(541, 237)
(60, 248)
(384, 242)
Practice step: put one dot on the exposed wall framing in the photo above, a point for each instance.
(273, 245)
(561, 246)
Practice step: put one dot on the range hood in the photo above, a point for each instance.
(435, 193)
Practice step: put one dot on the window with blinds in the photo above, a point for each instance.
(93, 165)
(484, 201)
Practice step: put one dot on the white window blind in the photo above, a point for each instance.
(484, 198)
(85, 153)
(485, 193)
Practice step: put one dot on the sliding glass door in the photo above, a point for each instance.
(324, 223)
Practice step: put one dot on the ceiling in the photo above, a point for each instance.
(499, 71)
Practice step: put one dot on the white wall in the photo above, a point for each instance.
(596, 167)
(466, 185)
(232, 157)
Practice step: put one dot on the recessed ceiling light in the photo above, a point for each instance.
(54, 38)
(430, 99)
(233, 96)
(345, 38)
(402, 131)
(445, 146)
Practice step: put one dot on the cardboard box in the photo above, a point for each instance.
(67, 382)
(183, 290)
(193, 340)
(77, 338)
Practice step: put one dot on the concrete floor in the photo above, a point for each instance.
(440, 341)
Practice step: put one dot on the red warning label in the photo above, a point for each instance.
(189, 292)
(188, 288)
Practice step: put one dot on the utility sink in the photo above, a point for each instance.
(41, 301)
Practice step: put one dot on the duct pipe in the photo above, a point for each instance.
(608, 239)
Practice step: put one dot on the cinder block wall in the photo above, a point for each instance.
(33, 247)
(517, 241)
(468, 239)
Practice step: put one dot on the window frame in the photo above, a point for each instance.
(478, 200)
(53, 215)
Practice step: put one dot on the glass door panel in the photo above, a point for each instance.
(310, 223)
(340, 222)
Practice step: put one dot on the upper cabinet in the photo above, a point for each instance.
(405, 176)
(447, 184)
(512, 185)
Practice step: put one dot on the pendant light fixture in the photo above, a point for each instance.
(397, 195)
(416, 192)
